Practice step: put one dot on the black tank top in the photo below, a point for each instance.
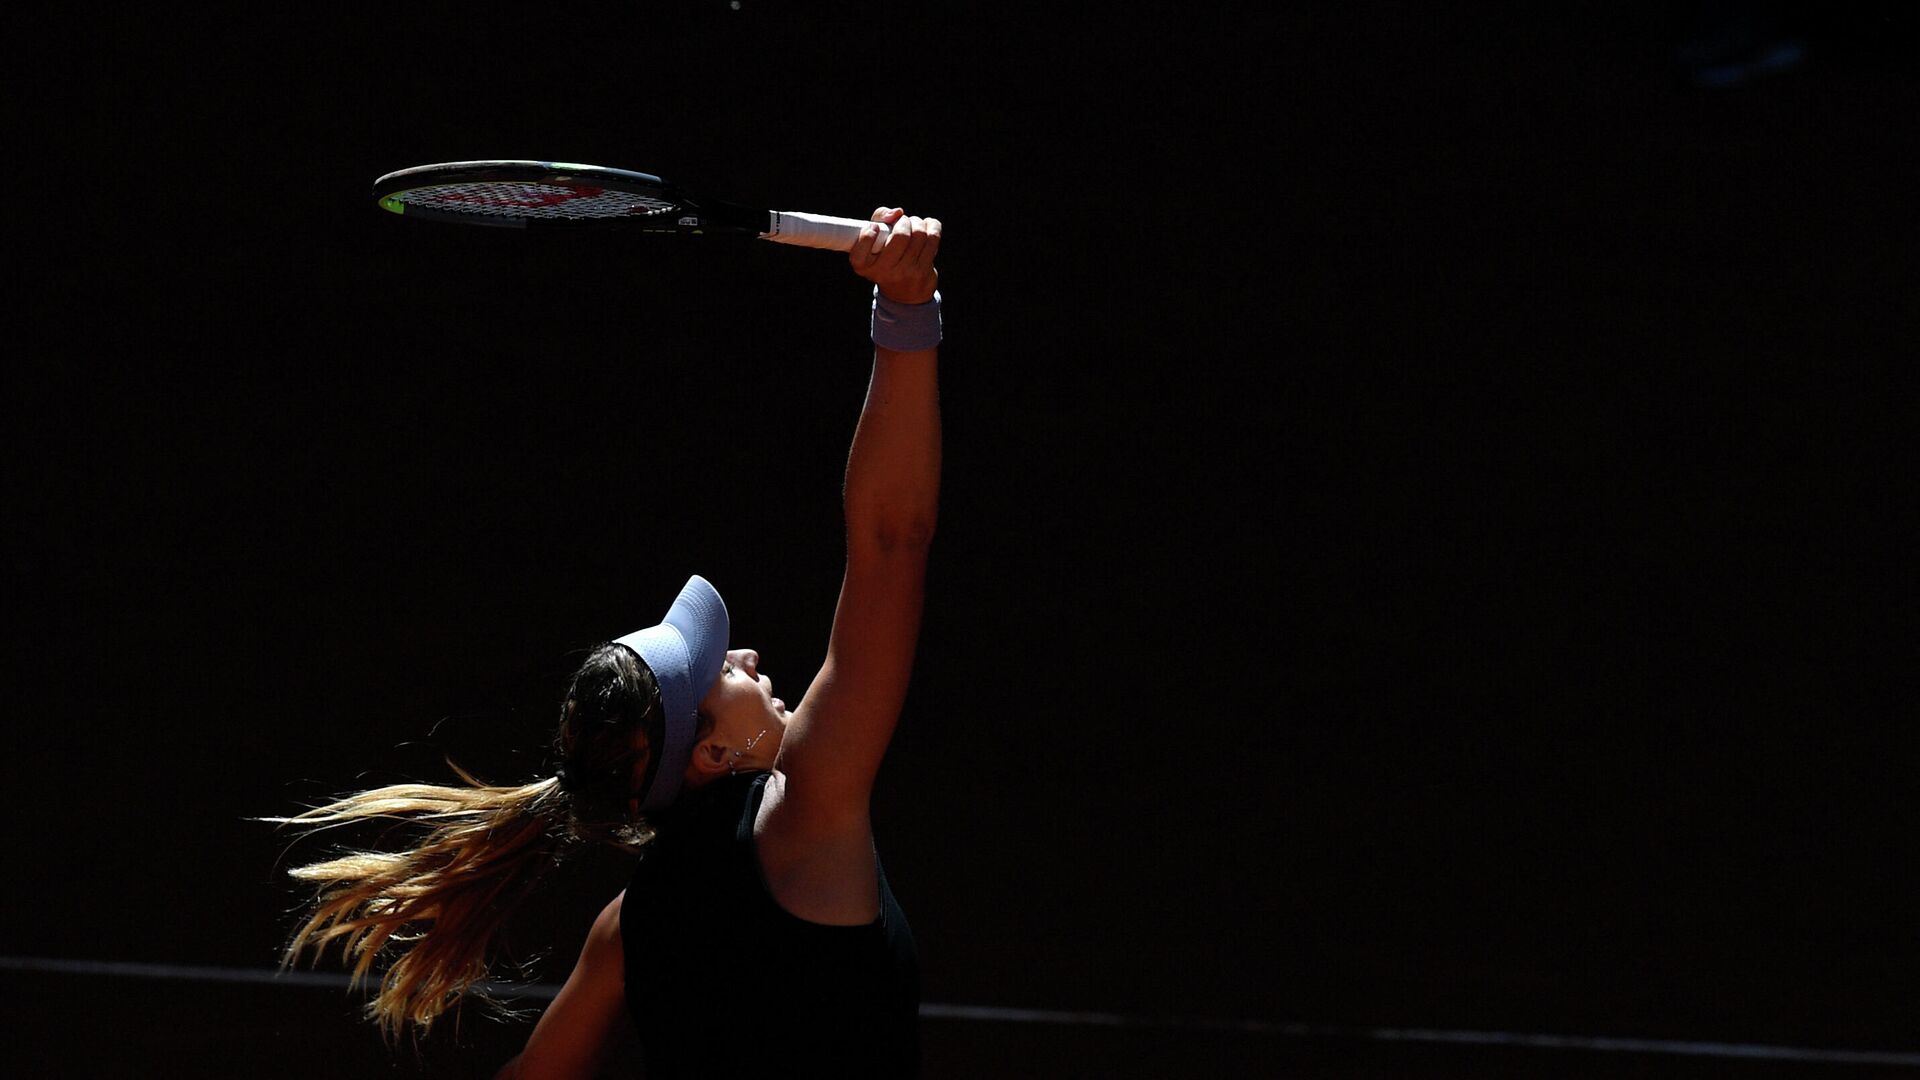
(723, 981)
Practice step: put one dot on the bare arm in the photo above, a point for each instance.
(573, 1035)
(835, 742)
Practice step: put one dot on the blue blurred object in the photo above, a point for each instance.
(1732, 44)
(1767, 60)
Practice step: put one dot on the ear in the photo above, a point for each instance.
(709, 760)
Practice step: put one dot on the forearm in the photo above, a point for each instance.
(893, 471)
(892, 490)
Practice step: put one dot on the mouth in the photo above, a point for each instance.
(779, 706)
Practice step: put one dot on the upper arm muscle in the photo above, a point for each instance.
(835, 743)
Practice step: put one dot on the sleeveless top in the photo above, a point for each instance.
(723, 981)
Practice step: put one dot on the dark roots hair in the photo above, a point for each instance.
(474, 851)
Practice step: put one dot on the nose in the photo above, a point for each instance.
(748, 661)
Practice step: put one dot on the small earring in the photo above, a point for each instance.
(742, 750)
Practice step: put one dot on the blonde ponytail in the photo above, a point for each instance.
(438, 904)
(436, 907)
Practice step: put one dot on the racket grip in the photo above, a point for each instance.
(817, 230)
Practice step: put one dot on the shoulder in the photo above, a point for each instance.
(604, 956)
(606, 925)
(575, 1032)
(820, 869)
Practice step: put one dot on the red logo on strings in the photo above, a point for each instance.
(522, 197)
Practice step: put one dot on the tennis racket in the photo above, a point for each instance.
(558, 194)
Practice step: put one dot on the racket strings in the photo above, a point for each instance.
(526, 199)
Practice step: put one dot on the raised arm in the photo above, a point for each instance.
(835, 742)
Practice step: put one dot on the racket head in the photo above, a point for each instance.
(553, 194)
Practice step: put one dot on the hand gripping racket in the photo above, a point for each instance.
(558, 194)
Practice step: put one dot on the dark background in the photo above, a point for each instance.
(1415, 541)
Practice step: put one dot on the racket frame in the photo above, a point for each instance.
(688, 215)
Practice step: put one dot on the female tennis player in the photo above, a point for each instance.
(758, 930)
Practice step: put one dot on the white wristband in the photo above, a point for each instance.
(906, 327)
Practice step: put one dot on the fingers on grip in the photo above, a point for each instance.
(900, 246)
(884, 216)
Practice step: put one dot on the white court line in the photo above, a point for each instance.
(938, 1011)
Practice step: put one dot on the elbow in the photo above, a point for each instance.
(892, 524)
(893, 536)
(916, 534)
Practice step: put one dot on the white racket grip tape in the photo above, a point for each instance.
(817, 230)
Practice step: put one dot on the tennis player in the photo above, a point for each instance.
(758, 930)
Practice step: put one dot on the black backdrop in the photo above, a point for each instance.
(1414, 542)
